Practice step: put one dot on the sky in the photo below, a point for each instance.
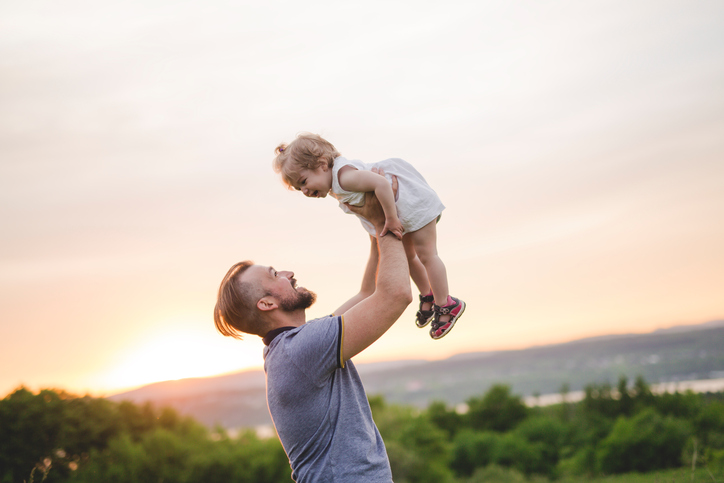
(577, 146)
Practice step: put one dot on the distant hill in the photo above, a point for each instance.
(674, 354)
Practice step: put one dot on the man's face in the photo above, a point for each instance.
(283, 286)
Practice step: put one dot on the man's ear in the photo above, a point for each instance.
(267, 303)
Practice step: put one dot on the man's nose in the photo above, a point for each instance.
(287, 274)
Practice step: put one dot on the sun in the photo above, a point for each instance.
(183, 351)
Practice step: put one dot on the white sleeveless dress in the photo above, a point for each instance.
(417, 203)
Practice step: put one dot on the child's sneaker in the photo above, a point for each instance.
(424, 317)
(454, 309)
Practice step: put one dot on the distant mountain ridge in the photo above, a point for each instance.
(672, 354)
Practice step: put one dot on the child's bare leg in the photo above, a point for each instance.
(424, 241)
(425, 313)
(417, 269)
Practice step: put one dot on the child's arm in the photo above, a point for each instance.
(352, 179)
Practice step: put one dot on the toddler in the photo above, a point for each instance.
(312, 165)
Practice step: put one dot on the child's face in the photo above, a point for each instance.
(315, 183)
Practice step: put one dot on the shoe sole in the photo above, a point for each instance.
(452, 324)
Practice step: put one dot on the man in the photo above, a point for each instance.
(315, 396)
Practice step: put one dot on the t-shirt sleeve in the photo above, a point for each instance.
(316, 349)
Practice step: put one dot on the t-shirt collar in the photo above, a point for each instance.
(269, 337)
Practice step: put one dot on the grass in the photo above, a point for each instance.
(497, 474)
(678, 475)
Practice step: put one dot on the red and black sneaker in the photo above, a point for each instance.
(454, 309)
(423, 317)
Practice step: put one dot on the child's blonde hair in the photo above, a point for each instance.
(308, 151)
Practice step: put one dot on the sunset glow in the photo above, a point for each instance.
(175, 349)
(577, 147)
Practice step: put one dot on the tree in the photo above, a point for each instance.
(515, 452)
(599, 400)
(645, 442)
(418, 450)
(473, 449)
(709, 425)
(446, 419)
(497, 474)
(625, 402)
(497, 410)
(547, 434)
(684, 405)
(642, 395)
(30, 427)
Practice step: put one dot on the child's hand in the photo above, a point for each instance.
(394, 226)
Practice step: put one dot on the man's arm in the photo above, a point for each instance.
(368, 279)
(366, 321)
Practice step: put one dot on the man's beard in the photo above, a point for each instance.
(302, 299)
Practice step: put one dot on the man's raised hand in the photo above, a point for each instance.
(371, 210)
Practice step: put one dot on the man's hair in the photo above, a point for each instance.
(236, 312)
(307, 151)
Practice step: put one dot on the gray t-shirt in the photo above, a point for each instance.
(319, 407)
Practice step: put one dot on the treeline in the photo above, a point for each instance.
(64, 438)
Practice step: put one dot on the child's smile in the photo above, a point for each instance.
(316, 183)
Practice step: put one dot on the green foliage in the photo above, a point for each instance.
(709, 425)
(516, 452)
(89, 423)
(496, 474)
(473, 449)
(30, 427)
(599, 400)
(63, 438)
(161, 455)
(418, 450)
(625, 401)
(446, 419)
(685, 405)
(645, 442)
(497, 410)
(533, 448)
(87, 440)
(578, 463)
(548, 436)
(715, 458)
(246, 459)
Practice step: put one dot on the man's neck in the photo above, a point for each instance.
(281, 322)
(287, 319)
